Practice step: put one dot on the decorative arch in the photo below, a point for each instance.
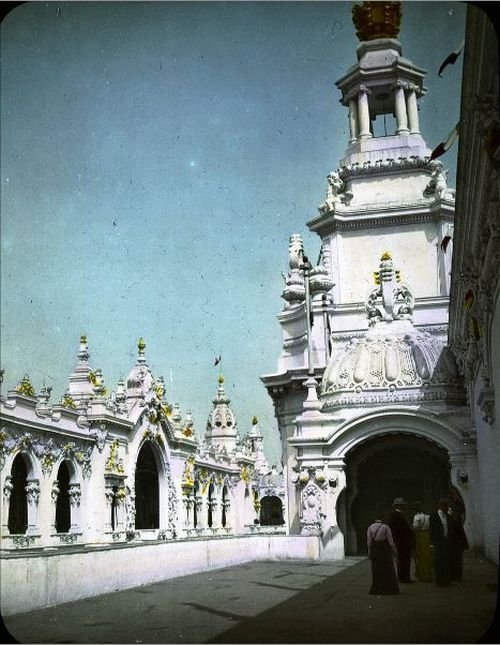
(402, 421)
(66, 494)
(271, 511)
(148, 474)
(20, 470)
(414, 454)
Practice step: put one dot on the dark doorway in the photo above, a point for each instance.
(147, 490)
(387, 467)
(210, 518)
(18, 507)
(271, 511)
(195, 505)
(224, 504)
(63, 507)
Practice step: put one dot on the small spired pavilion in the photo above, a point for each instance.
(368, 399)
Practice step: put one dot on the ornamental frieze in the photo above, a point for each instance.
(48, 449)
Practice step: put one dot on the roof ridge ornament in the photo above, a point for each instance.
(391, 299)
(374, 20)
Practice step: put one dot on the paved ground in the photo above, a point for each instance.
(276, 602)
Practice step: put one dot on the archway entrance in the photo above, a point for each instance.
(18, 507)
(271, 511)
(147, 490)
(383, 468)
(63, 507)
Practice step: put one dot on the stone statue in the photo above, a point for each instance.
(295, 251)
(438, 186)
(335, 193)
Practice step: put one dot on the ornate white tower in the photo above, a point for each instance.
(222, 429)
(377, 346)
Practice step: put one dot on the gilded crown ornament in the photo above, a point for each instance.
(377, 20)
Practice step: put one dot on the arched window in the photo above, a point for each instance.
(210, 505)
(147, 490)
(224, 505)
(18, 507)
(63, 506)
(271, 511)
(195, 505)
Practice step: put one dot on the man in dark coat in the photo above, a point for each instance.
(402, 535)
(440, 526)
(458, 539)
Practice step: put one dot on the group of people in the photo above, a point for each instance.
(436, 541)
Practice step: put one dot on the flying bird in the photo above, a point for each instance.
(442, 147)
(217, 360)
(451, 59)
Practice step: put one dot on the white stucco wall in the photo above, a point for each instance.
(48, 579)
(488, 446)
(413, 249)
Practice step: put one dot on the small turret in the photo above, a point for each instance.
(222, 428)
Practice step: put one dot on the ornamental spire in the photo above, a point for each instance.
(141, 349)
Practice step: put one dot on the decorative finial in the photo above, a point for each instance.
(141, 345)
(220, 379)
(255, 421)
(377, 19)
(83, 339)
(385, 256)
(24, 386)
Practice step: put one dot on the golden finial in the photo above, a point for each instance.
(24, 386)
(220, 379)
(141, 345)
(386, 256)
(83, 339)
(376, 277)
(377, 19)
(255, 421)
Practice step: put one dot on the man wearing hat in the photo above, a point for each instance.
(403, 538)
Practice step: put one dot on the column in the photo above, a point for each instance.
(353, 120)
(400, 108)
(412, 108)
(201, 507)
(110, 496)
(186, 503)
(74, 494)
(33, 497)
(226, 505)
(54, 494)
(364, 113)
(7, 490)
(216, 518)
(120, 497)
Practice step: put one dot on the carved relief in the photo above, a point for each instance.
(7, 488)
(74, 494)
(311, 514)
(32, 489)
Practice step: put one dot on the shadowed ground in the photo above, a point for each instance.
(276, 602)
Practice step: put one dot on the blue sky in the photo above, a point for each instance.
(156, 157)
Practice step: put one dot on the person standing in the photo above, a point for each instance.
(423, 559)
(458, 539)
(403, 539)
(439, 532)
(381, 549)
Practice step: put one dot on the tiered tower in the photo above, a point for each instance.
(387, 205)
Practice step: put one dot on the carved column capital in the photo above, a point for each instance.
(74, 494)
(32, 489)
